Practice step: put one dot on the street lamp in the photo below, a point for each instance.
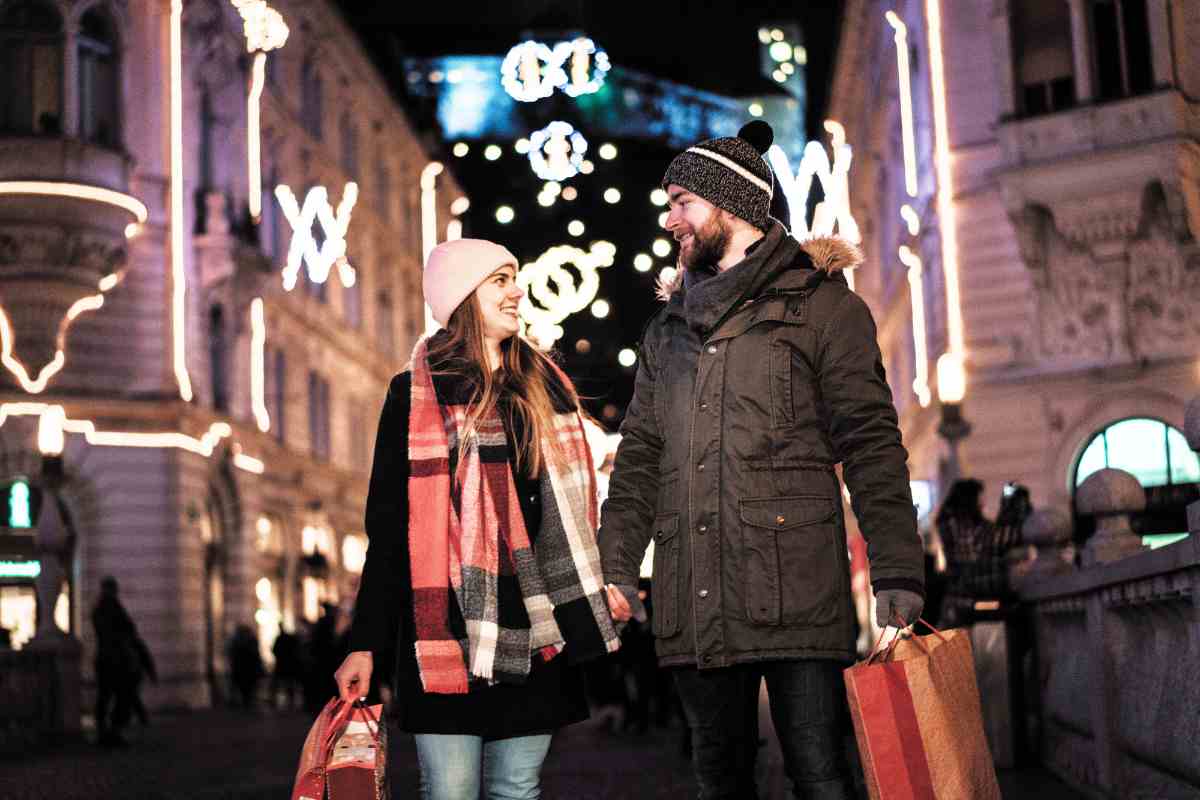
(952, 387)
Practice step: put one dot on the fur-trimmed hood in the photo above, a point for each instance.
(828, 253)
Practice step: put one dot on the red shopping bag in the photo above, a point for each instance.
(344, 755)
(918, 720)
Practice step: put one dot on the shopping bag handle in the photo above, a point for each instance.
(342, 714)
(898, 633)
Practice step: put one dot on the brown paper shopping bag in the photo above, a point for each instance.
(918, 721)
(345, 755)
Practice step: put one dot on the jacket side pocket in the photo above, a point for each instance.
(665, 597)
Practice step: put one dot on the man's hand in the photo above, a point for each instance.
(354, 675)
(618, 606)
(898, 607)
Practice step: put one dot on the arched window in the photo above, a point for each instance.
(31, 59)
(1121, 32)
(99, 95)
(310, 97)
(1159, 457)
(1045, 69)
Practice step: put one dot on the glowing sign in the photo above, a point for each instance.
(178, 275)
(557, 302)
(556, 151)
(20, 569)
(832, 212)
(304, 246)
(20, 514)
(258, 344)
(531, 71)
(906, 107)
(916, 285)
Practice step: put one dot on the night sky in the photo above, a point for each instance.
(710, 46)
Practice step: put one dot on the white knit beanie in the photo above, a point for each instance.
(455, 270)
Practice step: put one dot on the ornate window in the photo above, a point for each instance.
(1158, 456)
(31, 72)
(1045, 69)
(99, 84)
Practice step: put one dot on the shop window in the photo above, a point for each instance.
(1044, 60)
(1158, 456)
(1121, 36)
(31, 68)
(99, 81)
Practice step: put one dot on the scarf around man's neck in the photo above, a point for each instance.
(467, 539)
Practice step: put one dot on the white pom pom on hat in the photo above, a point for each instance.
(455, 269)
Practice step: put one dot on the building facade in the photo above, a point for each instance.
(1026, 183)
(208, 358)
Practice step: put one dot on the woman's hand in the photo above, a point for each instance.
(618, 606)
(354, 675)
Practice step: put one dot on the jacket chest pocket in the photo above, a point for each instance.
(665, 597)
(790, 560)
(783, 408)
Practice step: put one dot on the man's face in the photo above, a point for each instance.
(698, 226)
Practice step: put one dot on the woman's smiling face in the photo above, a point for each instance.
(498, 297)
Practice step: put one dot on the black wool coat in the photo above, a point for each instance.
(752, 385)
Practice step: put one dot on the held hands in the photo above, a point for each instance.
(618, 606)
(896, 606)
(354, 675)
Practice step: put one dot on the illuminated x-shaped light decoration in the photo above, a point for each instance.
(558, 301)
(304, 245)
(264, 26)
(556, 151)
(533, 70)
(832, 212)
(588, 66)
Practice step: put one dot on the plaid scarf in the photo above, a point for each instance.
(471, 555)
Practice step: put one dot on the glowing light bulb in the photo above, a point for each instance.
(776, 34)
(607, 151)
(587, 167)
(661, 248)
(786, 68)
(521, 146)
(461, 149)
(612, 195)
(627, 358)
(569, 193)
(755, 109)
(546, 200)
(600, 309)
(492, 152)
(667, 274)
(658, 197)
(662, 219)
(642, 262)
(575, 227)
(505, 215)
(779, 76)
(460, 206)
(764, 35)
(780, 51)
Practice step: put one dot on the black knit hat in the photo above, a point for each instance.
(730, 172)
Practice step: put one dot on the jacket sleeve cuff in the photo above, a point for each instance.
(907, 584)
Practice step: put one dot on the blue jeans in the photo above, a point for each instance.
(808, 707)
(454, 767)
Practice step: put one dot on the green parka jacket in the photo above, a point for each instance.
(752, 385)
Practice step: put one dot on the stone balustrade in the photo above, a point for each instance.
(1116, 644)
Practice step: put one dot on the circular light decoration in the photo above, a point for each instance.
(659, 197)
(575, 227)
(586, 65)
(556, 151)
(627, 358)
(661, 247)
(521, 145)
(786, 68)
(764, 35)
(779, 76)
(642, 262)
(461, 149)
(607, 151)
(600, 309)
(548, 283)
(546, 200)
(531, 71)
(587, 167)
(662, 219)
(780, 51)
(491, 152)
(755, 109)
(504, 215)
(612, 195)
(569, 193)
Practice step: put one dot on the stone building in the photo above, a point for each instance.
(212, 377)
(1025, 177)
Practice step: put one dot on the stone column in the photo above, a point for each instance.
(1111, 495)
(70, 77)
(1049, 531)
(1081, 47)
(1158, 18)
(1191, 429)
(1002, 54)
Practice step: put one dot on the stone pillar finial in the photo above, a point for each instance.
(1049, 531)
(1111, 495)
(1191, 429)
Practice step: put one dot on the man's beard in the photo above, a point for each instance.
(709, 244)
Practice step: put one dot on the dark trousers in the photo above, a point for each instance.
(113, 688)
(808, 707)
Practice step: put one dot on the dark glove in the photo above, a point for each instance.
(893, 606)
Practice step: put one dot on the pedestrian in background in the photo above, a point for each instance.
(288, 676)
(482, 581)
(967, 540)
(758, 377)
(122, 660)
(245, 665)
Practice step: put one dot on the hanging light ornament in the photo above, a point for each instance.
(556, 151)
(531, 71)
(558, 301)
(586, 65)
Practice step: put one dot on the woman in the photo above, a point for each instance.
(967, 538)
(482, 573)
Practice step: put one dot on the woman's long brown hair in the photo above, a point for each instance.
(524, 371)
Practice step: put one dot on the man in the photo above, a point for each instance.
(759, 375)
(122, 659)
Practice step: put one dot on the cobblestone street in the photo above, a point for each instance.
(225, 755)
